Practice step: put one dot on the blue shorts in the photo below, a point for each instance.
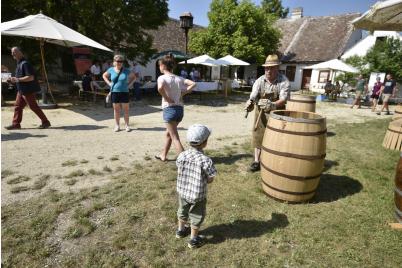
(120, 97)
(173, 113)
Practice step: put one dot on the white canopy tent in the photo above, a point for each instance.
(230, 60)
(334, 64)
(383, 15)
(46, 29)
(203, 60)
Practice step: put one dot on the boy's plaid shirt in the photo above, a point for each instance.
(194, 168)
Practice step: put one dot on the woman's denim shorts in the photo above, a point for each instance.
(173, 113)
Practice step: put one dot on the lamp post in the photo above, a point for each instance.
(186, 23)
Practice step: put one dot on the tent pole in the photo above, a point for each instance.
(44, 74)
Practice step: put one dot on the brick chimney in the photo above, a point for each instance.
(297, 13)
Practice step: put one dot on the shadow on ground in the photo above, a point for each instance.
(79, 127)
(240, 229)
(334, 187)
(328, 164)
(227, 160)
(330, 134)
(156, 128)
(98, 112)
(19, 136)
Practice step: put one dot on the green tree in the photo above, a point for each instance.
(274, 7)
(385, 57)
(240, 29)
(118, 24)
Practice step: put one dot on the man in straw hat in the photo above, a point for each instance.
(269, 92)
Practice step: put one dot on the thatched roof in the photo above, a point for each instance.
(315, 39)
(170, 36)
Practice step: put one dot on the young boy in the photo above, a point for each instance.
(195, 170)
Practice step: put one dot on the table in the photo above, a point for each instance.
(206, 86)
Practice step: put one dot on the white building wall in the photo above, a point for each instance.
(296, 84)
(149, 69)
(355, 37)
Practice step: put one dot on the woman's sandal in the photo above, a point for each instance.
(159, 158)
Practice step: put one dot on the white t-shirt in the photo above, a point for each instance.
(95, 70)
(174, 86)
(137, 71)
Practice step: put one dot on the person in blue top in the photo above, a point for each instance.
(118, 78)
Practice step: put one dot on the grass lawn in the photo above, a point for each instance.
(131, 221)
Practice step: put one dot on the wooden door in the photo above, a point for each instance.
(306, 77)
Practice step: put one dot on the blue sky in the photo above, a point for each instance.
(200, 8)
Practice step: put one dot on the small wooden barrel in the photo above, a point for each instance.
(398, 191)
(398, 113)
(393, 136)
(301, 103)
(292, 155)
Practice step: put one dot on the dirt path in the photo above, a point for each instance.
(81, 139)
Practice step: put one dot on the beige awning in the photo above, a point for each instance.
(386, 16)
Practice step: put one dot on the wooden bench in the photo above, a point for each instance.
(100, 89)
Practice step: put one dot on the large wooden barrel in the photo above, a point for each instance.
(292, 155)
(398, 191)
(301, 103)
(398, 113)
(393, 136)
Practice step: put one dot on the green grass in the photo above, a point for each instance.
(131, 221)
(6, 172)
(94, 172)
(18, 189)
(69, 163)
(75, 173)
(114, 158)
(70, 182)
(18, 179)
(41, 182)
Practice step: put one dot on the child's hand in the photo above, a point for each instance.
(211, 179)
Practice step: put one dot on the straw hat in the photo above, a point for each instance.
(272, 60)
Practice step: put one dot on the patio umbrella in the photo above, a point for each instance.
(203, 60)
(46, 29)
(230, 60)
(386, 15)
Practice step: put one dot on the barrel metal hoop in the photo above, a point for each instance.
(297, 178)
(302, 101)
(297, 120)
(287, 192)
(297, 156)
(399, 192)
(399, 132)
(297, 132)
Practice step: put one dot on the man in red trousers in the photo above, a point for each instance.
(27, 86)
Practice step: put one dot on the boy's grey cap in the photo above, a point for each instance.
(197, 134)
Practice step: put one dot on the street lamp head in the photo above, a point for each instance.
(186, 20)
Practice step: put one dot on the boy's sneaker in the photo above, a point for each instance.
(182, 233)
(255, 166)
(196, 242)
(388, 113)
